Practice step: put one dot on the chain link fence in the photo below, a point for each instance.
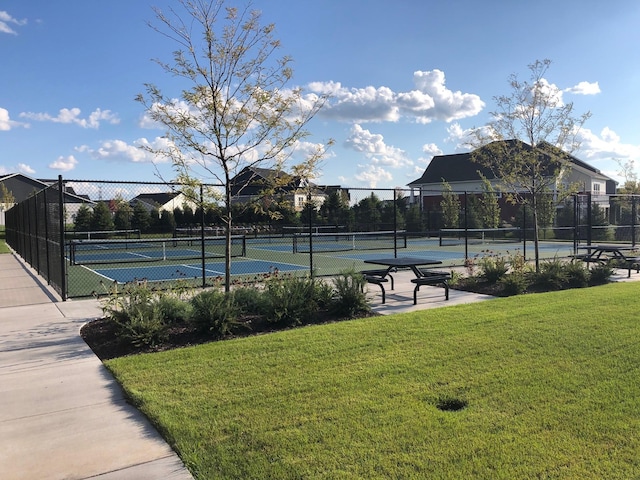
(120, 232)
(35, 231)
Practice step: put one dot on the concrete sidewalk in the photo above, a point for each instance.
(62, 415)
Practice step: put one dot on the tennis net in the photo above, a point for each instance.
(479, 236)
(340, 242)
(87, 252)
(102, 234)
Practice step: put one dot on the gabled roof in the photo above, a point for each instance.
(252, 181)
(461, 168)
(22, 187)
(156, 198)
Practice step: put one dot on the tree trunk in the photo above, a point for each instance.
(536, 241)
(227, 233)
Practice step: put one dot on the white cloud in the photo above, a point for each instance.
(24, 168)
(7, 20)
(64, 164)
(605, 146)
(584, 88)
(448, 105)
(371, 175)
(431, 149)
(72, 115)
(431, 100)
(119, 150)
(372, 146)
(6, 123)
(462, 138)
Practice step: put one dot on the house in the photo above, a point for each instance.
(250, 184)
(167, 201)
(465, 175)
(21, 187)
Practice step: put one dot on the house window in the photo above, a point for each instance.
(596, 188)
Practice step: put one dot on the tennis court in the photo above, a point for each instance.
(162, 273)
(94, 262)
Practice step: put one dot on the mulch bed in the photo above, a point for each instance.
(101, 335)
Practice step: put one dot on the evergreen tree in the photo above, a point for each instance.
(122, 217)
(101, 220)
(141, 219)
(83, 220)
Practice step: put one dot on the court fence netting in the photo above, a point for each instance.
(85, 236)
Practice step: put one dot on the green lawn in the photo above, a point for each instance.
(550, 382)
(3, 245)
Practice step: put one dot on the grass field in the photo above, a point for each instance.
(548, 384)
(3, 244)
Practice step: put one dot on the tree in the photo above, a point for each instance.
(101, 220)
(6, 197)
(450, 207)
(141, 218)
(528, 142)
(489, 207)
(82, 222)
(122, 216)
(235, 109)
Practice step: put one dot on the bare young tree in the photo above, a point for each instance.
(235, 110)
(528, 142)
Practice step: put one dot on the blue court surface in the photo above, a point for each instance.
(159, 273)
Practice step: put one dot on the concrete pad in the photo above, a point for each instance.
(24, 295)
(400, 300)
(78, 443)
(88, 310)
(37, 389)
(169, 468)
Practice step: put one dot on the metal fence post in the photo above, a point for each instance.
(202, 247)
(63, 263)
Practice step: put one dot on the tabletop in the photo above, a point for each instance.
(403, 261)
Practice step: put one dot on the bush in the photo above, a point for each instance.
(137, 315)
(600, 274)
(349, 297)
(514, 283)
(577, 274)
(248, 299)
(493, 268)
(214, 312)
(173, 309)
(290, 300)
(552, 275)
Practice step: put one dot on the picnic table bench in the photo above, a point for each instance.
(431, 278)
(615, 255)
(423, 276)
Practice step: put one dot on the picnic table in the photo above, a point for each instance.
(423, 276)
(622, 255)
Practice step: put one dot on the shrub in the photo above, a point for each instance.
(514, 284)
(248, 299)
(214, 312)
(577, 274)
(290, 300)
(136, 312)
(350, 298)
(552, 274)
(173, 309)
(493, 268)
(518, 263)
(600, 274)
(324, 294)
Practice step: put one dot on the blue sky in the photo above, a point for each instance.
(408, 79)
